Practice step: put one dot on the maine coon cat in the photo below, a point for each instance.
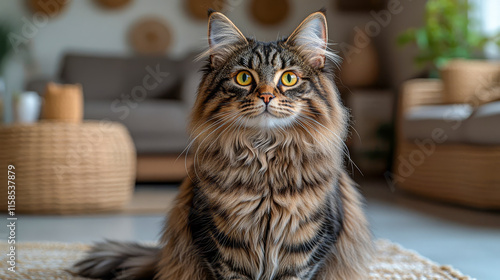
(267, 197)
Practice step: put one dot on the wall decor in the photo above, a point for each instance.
(49, 8)
(270, 12)
(113, 4)
(199, 8)
(360, 5)
(150, 36)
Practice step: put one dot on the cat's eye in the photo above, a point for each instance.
(243, 78)
(289, 78)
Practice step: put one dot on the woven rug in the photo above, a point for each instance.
(48, 261)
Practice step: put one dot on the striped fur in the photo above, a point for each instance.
(267, 196)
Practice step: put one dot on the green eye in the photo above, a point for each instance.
(244, 78)
(289, 78)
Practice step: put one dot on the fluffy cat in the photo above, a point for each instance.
(267, 196)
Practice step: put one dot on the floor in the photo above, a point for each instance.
(469, 240)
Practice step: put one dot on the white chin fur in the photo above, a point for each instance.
(268, 121)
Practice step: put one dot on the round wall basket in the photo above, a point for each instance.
(199, 8)
(52, 10)
(150, 36)
(113, 4)
(270, 12)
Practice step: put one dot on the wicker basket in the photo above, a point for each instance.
(64, 168)
(456, 173)
(63, 103)
(464, 80)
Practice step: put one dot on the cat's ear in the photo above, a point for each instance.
(311, 38)
(223, 37)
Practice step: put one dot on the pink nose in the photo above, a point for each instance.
(266, 97)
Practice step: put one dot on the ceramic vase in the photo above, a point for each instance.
(27, 107)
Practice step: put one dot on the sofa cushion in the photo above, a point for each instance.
(164, 76)
(108, 78)
(460, 123)
(155, 125)
(420, 122)
(483, 127)
(101, 77)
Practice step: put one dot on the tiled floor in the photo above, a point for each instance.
(467, 239)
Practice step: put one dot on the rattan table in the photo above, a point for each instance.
(64, 168)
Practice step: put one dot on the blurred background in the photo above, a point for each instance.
(95, 97)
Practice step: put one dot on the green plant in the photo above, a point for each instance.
(448, 32)
(5, 45)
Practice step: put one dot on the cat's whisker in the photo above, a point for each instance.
(359, 137)
(306, 129)
(309, 111)
(224, 116)
(220, 134)
(322, 125)
(199, 126)
(221, 121)
(344, 149)
(347, 154)
(212, 118)
(186, 150)
(227, 120)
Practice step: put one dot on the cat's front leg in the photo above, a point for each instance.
(178, 258)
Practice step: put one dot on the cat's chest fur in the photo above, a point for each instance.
(253, 230)
(259, 207)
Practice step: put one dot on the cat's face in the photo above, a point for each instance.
(267, 86)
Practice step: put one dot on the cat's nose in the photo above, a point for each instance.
(266, 96)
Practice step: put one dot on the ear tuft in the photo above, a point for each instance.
(311, 40)
(223, 38)
(210, 11)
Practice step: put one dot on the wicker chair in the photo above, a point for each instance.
(457, 173)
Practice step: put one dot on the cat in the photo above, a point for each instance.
(267, 196)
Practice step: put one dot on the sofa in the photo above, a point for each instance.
(447, 151)
(152, 96)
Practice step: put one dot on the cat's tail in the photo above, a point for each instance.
(118, 260)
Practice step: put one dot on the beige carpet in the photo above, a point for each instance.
(48, 261)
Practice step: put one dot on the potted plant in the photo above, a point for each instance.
(5, 45)
(449, 32)
(5, 49)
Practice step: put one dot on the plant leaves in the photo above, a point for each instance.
(448, 33)
(406, 37)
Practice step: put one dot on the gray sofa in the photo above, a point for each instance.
(151, 96)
